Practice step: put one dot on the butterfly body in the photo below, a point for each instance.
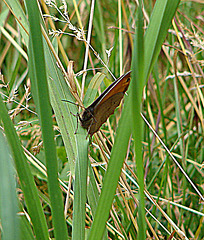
(99, 111)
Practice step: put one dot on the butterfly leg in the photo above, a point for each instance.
(89, 128)
(77, 117)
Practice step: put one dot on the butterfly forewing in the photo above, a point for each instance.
(119, 85)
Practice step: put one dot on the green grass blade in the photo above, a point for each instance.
(41, 97)
(8, 198)
(80, 186)
(100, 29)
(22, 19)
(65, 120)
(92, 191)
(137, 124)
(160, 21)
(26, 232)
(3, 16)
(112, 175)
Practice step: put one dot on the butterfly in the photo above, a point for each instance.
(99, 111)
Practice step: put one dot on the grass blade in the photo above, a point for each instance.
(112, 175)
(41, 97)
(8, 198)
(137, 124)
(80, 186)
(161, 17)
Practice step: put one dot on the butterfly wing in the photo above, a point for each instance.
(119, 85)
(103, 111)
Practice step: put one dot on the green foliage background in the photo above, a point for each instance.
(58, 184)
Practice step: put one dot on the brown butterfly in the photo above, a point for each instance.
(99, 111)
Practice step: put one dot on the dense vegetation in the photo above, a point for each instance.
(74, 54)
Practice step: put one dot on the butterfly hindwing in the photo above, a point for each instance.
(103, 111)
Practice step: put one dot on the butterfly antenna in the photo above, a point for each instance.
(73, 103)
